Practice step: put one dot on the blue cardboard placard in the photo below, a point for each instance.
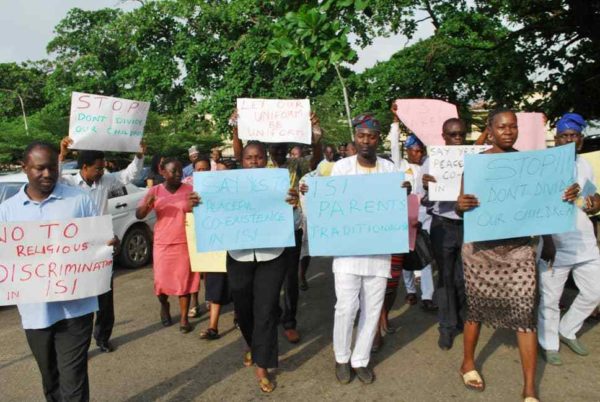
(243, 209)
(588, 189)
(357, 215)
(520, 193)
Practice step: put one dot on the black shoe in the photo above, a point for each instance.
(428, 305)
(445, 341)
(364, 374)
(303, 285)
(104, 346)
(343, 372)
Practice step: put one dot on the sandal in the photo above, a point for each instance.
(210, 334)
(165, 316)
(473, 381)
(266, 385)
(248, 359)
(530, 399)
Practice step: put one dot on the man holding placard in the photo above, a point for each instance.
(573, 252)
(360, 280)
(58, 333)
(98, 184)
(447, 239)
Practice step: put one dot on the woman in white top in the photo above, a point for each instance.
(255, 279)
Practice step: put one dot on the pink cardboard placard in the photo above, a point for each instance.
(532, 132)
(414, 201)
(425, 117)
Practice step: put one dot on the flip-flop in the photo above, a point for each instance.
(266, 385)
(531, 399)
(471, 378)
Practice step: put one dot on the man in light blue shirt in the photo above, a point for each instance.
(58, 333)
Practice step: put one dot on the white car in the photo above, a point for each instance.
(135, 235)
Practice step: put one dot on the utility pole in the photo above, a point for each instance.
(22, 107)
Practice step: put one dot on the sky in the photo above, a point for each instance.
(26, 27)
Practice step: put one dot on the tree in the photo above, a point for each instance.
(28, 81)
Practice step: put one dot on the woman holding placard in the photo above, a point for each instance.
(255, 279)
(500, 276)
(171, 266)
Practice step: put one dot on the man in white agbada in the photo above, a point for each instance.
(575, 252)
(360, 281)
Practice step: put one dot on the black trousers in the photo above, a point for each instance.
(447, 240)
(105, 316)
(290, 284)
(61, 353)
(255, 288)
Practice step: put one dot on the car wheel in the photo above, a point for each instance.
(136, 247)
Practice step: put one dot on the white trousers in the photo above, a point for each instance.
(552, 283)
(354, 292)
(426, 282)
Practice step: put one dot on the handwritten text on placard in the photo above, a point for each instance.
(520, 193)
(274, 120)
(243, 209)
(446, 165)
(357, 215)
(55, 260)
(107, 124)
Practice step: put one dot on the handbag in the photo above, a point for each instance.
(421, 256)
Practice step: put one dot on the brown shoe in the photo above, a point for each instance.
(292, 335)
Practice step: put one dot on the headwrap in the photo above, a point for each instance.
(570, 121)
(193, 150)
(412, 141)
(366, 120)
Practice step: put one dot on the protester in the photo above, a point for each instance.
(501, 298)
(360, 281)
(154, 175)
(572, 252)
(215, 158)
(202, 164)
(297, 167)
(255, 279)
(217, 292)
(296, 152)
(193, 154)
(351, 149)
(447, 239)
(342, 150)
(58, 333)
(98, 184)
(416, 154)
(172, 271)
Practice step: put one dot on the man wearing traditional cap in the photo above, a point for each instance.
(575, 252)
(193, 154)
(360, 281)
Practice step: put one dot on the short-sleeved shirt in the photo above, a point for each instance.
(579, 245)
(63, 203)
(367, 265)
(170, 211)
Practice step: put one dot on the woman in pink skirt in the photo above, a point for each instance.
(172, 272)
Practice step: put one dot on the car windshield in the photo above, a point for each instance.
(7, 190)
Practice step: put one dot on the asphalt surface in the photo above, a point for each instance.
(152, 363)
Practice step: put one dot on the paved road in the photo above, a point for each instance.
(154, 363)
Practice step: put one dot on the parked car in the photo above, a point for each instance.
(135, 235)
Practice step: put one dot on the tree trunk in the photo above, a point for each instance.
(346, 101)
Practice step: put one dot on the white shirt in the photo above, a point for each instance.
(367, 265)
(259, 254)
(417, 172)
(579, 245)
(99, 190)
